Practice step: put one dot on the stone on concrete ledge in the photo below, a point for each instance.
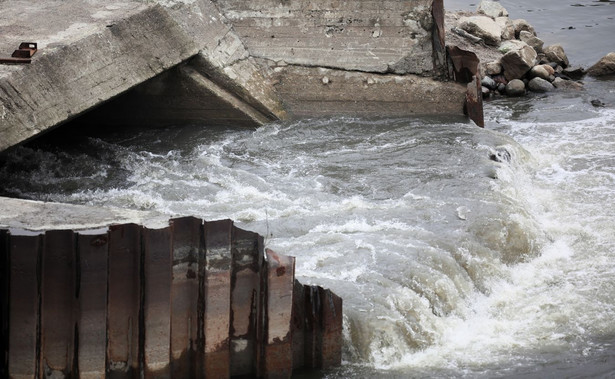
(493, 68)
(483, 27)
(507, 26)
(517, 63)
(535, 42)
(492, 9)
(605, 66)
(521, 25)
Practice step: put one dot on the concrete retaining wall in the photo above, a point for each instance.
(195, 299)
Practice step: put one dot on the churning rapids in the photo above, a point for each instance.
(457, 250)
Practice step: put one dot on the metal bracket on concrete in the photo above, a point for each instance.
(22, 55)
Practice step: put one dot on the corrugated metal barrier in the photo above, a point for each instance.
(195, 299)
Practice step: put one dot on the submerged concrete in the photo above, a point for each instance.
(226, 61)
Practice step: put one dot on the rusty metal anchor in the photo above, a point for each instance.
(22, 55)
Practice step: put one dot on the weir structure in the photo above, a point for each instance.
(237, 62)
(192, 300)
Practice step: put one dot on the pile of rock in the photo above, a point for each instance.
(524, 63)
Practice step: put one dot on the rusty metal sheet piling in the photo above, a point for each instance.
(188, 257)
(191, 300)
(24, 257)
(58, 293)
(123, 301)
(298, 325)
(4, 303)
(92, 295)
(278, 344)
(157, 265)
(217, 298)
(331, 328)
(245, 298)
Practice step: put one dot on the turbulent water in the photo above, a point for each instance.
(458, 251)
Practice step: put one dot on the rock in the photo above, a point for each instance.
(502, 88)
(549, 69)
(540, 72)
(555, 53)
(540, 85)
(597, 103)
(535, 42)
(507, 46)
(492, 9)
(521, 25)
(560, 83)
(325, 80)
(517, 63)
(485, 91)
(515, 87)
(575, 73)
(493, 68)
(605, 66)
(488, 82)
(483, 27)
(508, 29)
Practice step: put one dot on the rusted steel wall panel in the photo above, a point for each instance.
(278, 359)
(92, 294)
(157, 262)
(298, 325)
(123, 301)
(4, 303)
(331, 327)
(58, 305)
(313, 351)
(245, 299)
(217, 298)
(188, 253)
(24, 305)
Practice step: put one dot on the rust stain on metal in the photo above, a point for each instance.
(22, 55)
(465, 70)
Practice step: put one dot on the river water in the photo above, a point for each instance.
(459, 251)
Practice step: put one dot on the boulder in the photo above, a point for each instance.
(507, 46)
(492, 9)
(549, 69)
(540, 85)
(517, 63)
(508, 29)
(489, 83)
(541, 71)
(575, 73)
(560, 83)
(555, 53)
(483, 27)
(522, 25)
(535, 42)
(605, 66)
(515, 87)
(493, 68)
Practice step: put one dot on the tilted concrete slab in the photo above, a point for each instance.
(88, 53)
